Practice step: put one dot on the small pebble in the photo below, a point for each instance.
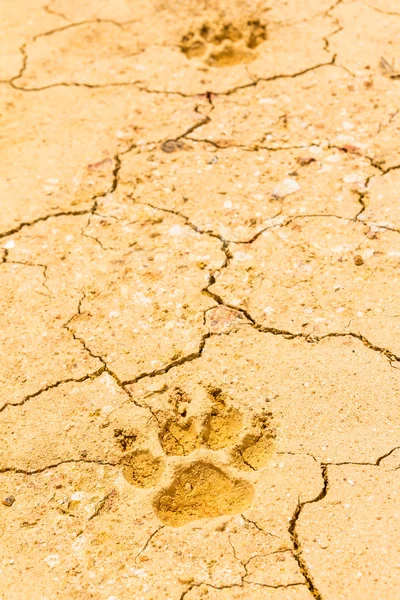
(9, 501)
(350, 149)
(186, 578)
(305, 160)
(171, 146)
(285, 188)
(157, 387)
(358, 261)
(182, 407)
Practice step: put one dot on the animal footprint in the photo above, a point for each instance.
(223, 425)
(180, 433)
(143, 469)
(224, 44)
(215, 428)
(199, 491)
(206, 422)
(257, 447)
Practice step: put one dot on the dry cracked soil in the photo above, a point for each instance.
(200, 300)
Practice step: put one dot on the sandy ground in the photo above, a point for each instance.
(200, 314)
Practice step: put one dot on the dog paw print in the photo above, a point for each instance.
(195, 433)
(225, 44)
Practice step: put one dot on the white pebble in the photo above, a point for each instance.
(352, 178)
(285, 188)
(176, 230)
(52, 560)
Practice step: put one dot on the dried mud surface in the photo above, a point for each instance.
(199, 265)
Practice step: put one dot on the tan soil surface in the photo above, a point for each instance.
(200, 307)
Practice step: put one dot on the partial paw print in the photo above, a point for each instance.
(225, 44)
(203, 439)
(193, 424)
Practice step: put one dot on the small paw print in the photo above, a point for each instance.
(224, 44)
(201, 427)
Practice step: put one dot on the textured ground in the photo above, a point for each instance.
(200, 313)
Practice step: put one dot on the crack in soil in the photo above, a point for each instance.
(30, 264)
(48, 8)
(148, 541)
(67, 461)
(246, 573)
(137, 83)
(176, 363)
(377, 463)
(239, 586)
(295, 539)
(64, 213)
(218, 299)
(51, 386)
(290, 335)
(105, 368)
(382, 12)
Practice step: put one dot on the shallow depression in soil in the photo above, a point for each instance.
(200, 491)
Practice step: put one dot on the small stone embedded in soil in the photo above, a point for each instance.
(351, 149)
(172, 146)
(186, 578)
(305, 160)
(358, 260)
(285, 188)
(9, 501)
(157, 388)
(221, 318)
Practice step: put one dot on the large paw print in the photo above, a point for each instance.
(225, 44)
(205, 427)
